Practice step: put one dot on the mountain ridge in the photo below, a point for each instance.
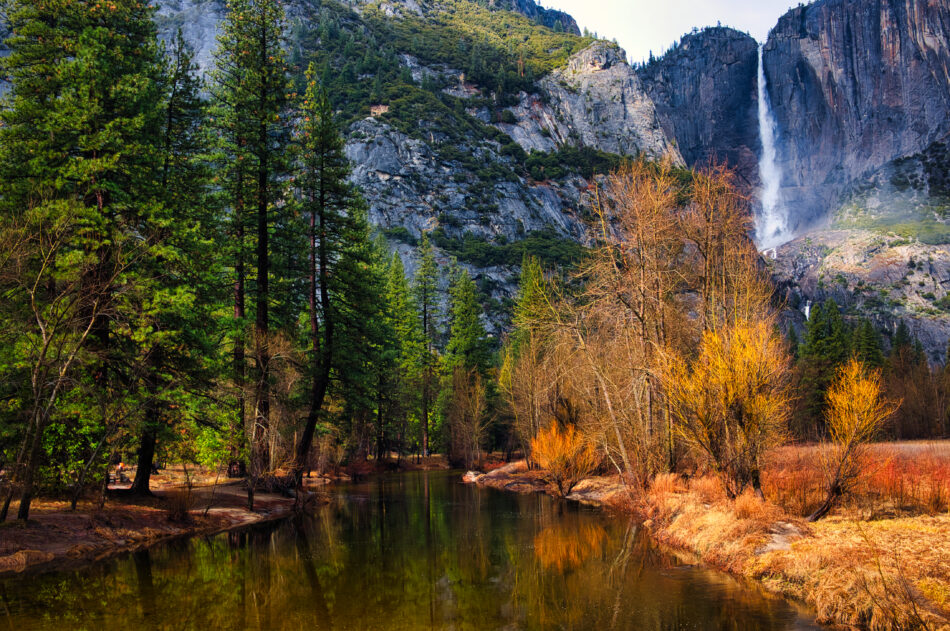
(483, 123)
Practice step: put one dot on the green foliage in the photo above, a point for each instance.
(499, 50)
(400, 233)
(827, 345)
(568, 160)
(468, 344)
(866, 343)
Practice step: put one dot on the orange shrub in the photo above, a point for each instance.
(749, 506)
(565, 456)
(665, 483)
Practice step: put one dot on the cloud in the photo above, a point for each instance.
(642, 26)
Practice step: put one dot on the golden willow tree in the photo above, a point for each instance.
(672, 291)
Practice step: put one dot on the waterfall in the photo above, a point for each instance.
(771, 223)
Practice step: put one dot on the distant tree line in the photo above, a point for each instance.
(829, 340)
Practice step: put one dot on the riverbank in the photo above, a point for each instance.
(891, 573)
(56, 537)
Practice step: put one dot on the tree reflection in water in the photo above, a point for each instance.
(407, 552)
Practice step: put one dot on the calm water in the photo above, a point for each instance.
(414, 551)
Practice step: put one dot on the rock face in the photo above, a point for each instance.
(470, 190)
(855, 84)
(198, 21)
(597, 101)
(551, 18)
(883, 277)
(706, 98)
(407, 186)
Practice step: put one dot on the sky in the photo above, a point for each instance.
(644, 25)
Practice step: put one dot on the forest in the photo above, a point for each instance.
(188, 277)
(190, 282)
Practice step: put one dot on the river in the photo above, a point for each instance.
(406, 551)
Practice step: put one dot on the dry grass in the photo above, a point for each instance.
(178, 504)
(882, 574)
(899, 479)
(886, 574)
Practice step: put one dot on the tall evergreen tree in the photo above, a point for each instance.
(426, 291)
(175, 311)
(793, 342)
(867, 344)
(531, 301)
(79, 157)
(250, 91)
(339, 248)
(409, 345)
(902, 339)
(826, 346)
(468, 341)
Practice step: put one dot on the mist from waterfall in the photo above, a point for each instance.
(771, 222)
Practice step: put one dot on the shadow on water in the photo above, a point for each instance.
(409, 551)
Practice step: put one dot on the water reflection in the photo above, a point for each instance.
(414, 551)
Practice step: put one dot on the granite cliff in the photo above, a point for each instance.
(704, 90)
(854, 85)
(488, 168)
(492, 146)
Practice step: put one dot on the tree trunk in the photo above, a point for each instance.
(425, 412)
(143, 471)
(29, 472)
(236, 465)
(322, 353)
(834, 494)
(262, 321)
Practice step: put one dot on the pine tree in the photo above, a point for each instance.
(468, 344)
(251, 90)
(531, 299)
(826, 346)
(339, 271)
(901, 341)
(409, 345)
(176, 354)
(79, 152)
(793, 342)
(386, 348)
(867, 344)
(425, 289)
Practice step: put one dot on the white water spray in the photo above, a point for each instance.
(771, 222)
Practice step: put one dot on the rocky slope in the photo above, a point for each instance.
(881, 276)
(557, 20)
(434, 147)
(855, 84)
(705, 94)
(484, 123)
(884, 253)
(596, 100)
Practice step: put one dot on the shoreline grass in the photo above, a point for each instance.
(880, 561)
